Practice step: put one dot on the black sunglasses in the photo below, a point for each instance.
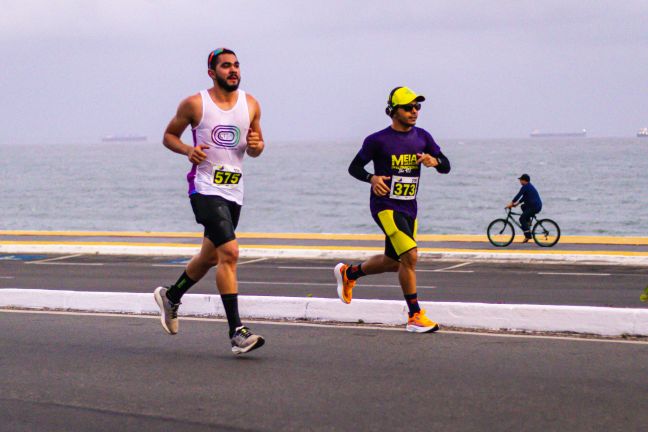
(410, 107)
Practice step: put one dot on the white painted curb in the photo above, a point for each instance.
(580, 319)
(342, 254)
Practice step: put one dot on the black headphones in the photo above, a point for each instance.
(391, 107)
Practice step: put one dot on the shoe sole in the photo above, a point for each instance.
(417, 329)
(259, 343)
(160, 303)
(340, 282)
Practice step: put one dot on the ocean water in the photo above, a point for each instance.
(588, 185)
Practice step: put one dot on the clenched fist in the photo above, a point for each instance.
(196, 154)
(254, 143)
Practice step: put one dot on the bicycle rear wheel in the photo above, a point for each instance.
(500, 232)
(546, 233)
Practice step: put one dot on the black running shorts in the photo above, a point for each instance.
(400, 232)
(218, 215)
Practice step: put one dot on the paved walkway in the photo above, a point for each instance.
(632, 250)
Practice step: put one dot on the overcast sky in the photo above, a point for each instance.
(78, 70)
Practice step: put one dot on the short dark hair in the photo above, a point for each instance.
(212, 59)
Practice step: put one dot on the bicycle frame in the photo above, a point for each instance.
(509, 217)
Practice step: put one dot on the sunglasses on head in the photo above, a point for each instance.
(410, 107)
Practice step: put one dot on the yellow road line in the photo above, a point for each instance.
(143, 234)
(541, 252)
(612, 240)
(91, 243)
(340, 247)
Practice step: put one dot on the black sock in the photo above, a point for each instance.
(354, 272)
(230, 301)
(412, 303)
(178, 289)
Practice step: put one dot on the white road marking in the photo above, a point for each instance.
(329, 284)
(444, 270)
(185, 265)
(7, 277)
(252, 261)
(53, 259)
(454, 266)
(574, 274)
(66, 264)
(306, 268)
(448, 269)
(333, 326)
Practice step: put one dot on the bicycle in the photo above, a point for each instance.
(501, 233)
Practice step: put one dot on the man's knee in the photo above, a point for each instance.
(228, 253)
(409, 258)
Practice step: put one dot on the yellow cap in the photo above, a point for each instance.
(404, 96)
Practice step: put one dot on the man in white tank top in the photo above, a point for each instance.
(225, 124)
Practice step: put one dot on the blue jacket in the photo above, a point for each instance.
(529, 196)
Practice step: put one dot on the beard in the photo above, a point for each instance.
(222, 83)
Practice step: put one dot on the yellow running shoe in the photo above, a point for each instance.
(420, 323)
(344, 285)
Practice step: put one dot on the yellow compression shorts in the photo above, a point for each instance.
(400, 231)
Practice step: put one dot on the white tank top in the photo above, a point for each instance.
(225, 132)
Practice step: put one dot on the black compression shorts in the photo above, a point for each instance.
(218, 215)
(400, 232)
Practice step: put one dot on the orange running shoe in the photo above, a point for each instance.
(420, 323)
(344, 285)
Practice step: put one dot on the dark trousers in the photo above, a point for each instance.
(525, 219)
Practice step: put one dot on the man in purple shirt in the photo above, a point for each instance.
(397, 153)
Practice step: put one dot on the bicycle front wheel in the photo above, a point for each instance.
(546, 233)
(500, 232)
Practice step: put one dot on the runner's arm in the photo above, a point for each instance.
(186, 115)
(183, 118)
(433, 149)
(444, 164)
(358, 171)
(255, 135)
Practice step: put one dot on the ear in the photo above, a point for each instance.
(210, 72)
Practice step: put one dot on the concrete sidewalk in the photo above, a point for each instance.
(603, 321)
(586, 249)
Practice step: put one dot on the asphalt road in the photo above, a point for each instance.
(557, 284)
(63, 372)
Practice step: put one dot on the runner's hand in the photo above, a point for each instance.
(427, 160)
(196, 154)
(254, 143)
(378, 185)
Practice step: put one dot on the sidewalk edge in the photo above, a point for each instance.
(578, 319)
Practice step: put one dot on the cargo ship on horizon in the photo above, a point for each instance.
(539, 134)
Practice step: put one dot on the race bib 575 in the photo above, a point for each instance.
(226, 176)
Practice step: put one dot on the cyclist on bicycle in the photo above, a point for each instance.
(529, 197)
